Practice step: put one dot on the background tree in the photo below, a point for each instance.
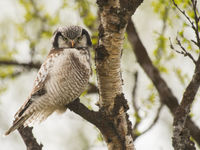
(26, 42)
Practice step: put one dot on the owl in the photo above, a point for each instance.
(61, 79)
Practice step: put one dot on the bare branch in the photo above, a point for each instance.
(103, 122)
(184, 13)
(99, 119)
(197, 18)
(194, 42)
(194, 24)
(30, 65)
(135, 107)
(154, 121)
(184, 52)
(29, 139)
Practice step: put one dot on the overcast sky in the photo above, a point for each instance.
(61, 131)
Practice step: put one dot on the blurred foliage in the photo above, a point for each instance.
(36, 26)
(183, 77)
(172, 18)
(162, 8)
(33, 30)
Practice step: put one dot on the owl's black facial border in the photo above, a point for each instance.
(84, 32)
(55, 42)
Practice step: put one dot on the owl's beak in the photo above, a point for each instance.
(72, 43)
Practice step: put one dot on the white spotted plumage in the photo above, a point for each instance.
(61, 79)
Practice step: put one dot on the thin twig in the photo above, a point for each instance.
(183, 12)
(154, 121)
(194, 24)
(134, 104)
(183, 50)
(196, 18)
(136, 109)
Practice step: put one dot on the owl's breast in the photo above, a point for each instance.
(69, 77)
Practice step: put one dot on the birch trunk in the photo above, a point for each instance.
(114, 16)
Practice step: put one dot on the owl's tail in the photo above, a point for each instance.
(30, 117)
(21, 117)
(17, 123)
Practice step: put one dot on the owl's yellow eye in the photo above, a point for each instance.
(64, 38)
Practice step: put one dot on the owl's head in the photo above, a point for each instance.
(71, 37)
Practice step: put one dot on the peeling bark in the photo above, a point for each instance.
(114, 16)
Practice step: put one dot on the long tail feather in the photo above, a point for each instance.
(16, 124)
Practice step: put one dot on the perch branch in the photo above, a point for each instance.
(29, 139)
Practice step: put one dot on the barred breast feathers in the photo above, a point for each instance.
(81, 57)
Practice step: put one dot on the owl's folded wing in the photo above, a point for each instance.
(38, 90)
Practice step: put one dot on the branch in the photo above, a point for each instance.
(197, 20)
(30, 65)
(29, 139)
(165, 93)
(152, 124)
(99, 119)
(135, 107)
(184, 14)
(103, 122)
(181, 134)
(181, 137)
(89, 115)
(154, 121)
(194, 24)
(183, 51)
(138, 118)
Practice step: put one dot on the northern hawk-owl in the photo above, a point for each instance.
(61, 79)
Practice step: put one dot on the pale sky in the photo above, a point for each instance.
(61, 131)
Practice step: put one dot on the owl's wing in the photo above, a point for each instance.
(38, 90)
(39, 83)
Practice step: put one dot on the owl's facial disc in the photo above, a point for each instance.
(71, 37)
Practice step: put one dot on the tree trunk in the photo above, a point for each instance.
(114, 16)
